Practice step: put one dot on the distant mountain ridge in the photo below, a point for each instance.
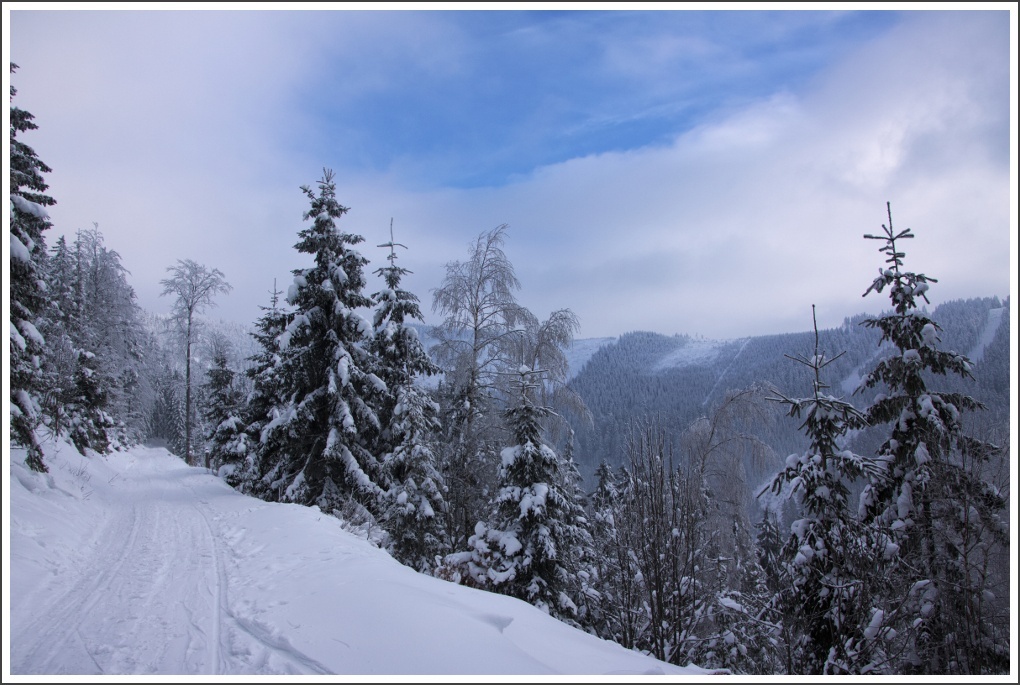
(641, 375)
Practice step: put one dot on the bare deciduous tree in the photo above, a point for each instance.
(195, 286)
(482, 319)
(541, 346)
(481, 327)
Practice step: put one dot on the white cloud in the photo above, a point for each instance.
(763, 213)
(190, 138)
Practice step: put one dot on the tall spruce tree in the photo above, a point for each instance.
(929, 496)
(413, 506)
(63, 327)
(829, 557)
(325, 435)
(92, 425)
(580, 557)
(166, 420)
(28, 202)
(778, 612)
(77, 393)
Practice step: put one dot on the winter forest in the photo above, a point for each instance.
(835, 502)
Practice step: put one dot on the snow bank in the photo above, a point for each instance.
(136, 563)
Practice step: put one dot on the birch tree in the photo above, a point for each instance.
(195, 286)
(477, 338)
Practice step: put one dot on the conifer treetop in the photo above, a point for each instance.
(392, 273)
(905, 285)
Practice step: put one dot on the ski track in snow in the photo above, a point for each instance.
(153, 596)
(137, 564)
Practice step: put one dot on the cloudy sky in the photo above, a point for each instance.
(701, 172)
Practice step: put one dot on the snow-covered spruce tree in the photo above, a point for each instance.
(929, 495)
(596, 612)
(580, 557)
(74, 404)
(413, 506)
(93, 360)
(29, 219)
(113, 331)
(829, 558)
(543, 345)
(321, 442)
(620, 584)
(525, 548)
(222, 408)
(254, 474)
(92, 425)
(63, 326)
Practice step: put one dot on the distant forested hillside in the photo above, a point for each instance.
(677, 379)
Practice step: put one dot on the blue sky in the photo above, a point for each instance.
(702, 172)
(515, 91)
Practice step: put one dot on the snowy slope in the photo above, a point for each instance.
(694, 352)
(580, 351)
(138, 564)
(987, 334)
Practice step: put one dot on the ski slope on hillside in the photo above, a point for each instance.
(580, 351)
(138, 564)
(991, 327)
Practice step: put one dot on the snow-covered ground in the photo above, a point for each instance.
(693, 353)
(138, 564)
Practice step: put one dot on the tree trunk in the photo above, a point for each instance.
(187, 398)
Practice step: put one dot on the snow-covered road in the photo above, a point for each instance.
(138, 564)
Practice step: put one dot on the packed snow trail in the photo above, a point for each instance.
(139, 564)
(152, 598)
